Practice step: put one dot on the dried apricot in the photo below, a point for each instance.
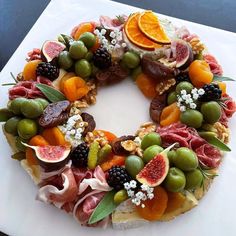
(170, 115)
(147, 85)
(29, 71)
(155, 207)
(54, 136)
(175, 201)
(82, 28)
(222, 86)
(200, 73)
(64, 78)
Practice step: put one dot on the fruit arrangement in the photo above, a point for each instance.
(156, 174)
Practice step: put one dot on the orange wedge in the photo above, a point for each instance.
(134, 34)
(149, 25)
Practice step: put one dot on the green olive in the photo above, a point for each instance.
(184, 86)
(192, 118)
(186, 159)
(151, 152)
(175, 180)
(31, 109)
(150, 139)
(77, 50)
(83, 68)
(5, 114)
(88, 39)
(172, 97)
(211, 112)
(133, 164)
(131, 60)
(120, 196)
(11, 125)
(193, 179)
(172, 156)
(16, 104)
(42, 101)
(136, 72)
(27, 128)
(64, 60)
(89, 56)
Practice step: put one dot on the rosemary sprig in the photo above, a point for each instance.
(8, 84)
(121, 19)
(13, 77)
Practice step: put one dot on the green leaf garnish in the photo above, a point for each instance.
(14, 78)
(104, 208)
(213, 140)
(50, 93)
(222, 78)
(8, 84)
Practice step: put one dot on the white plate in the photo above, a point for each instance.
(21, 214)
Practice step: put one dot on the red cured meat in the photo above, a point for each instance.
(188, 137)
(35, 54)
(214, 65)
(28, 89)
(112, 24)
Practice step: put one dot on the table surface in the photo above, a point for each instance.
(17, 17)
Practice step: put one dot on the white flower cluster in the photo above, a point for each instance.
(188, 100)
(116, 41)
(73, 133)
(145, 193)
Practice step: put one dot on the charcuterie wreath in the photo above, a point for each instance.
(156, 174)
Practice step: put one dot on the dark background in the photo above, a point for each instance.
(18, 16)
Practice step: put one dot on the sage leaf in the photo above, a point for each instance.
(105, 207)
(50, 93)
(222, 78)
(217, 143)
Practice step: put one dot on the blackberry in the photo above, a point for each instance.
(102, 58)
(79, 155)
(48, 70)
(117, 176)
(182, 77)
(212, 92)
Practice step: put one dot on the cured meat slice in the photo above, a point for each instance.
(112, 24)
(214, 65)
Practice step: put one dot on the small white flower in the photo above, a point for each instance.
(112, 34)
(144, 197)
(150, 196)
(130, 193)
(96, 31)
(127, 185)
(139, 195)
(150, 190)
(117, 46)
(201, 91)
(143, 205)
(123, 45)
(182, 108)
(195, 96)
(133, 184)
(111, 47)
(113, 41)
(184, 97)
(116, 31)
(193, 105)
(144, 187)
(194, 91)
(180, 99)
(136, 201)
(183, 92)
(188, 100)
(103, 31)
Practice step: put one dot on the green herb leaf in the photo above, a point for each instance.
(217, 143)
(50, 93)
(104, 208)
(222, 78)
(8, 84)
(14, 78)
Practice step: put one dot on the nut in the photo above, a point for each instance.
(197, 45)
(145, 128)
(222, 132)
(165, 85)
(96, 136)
(129, 145)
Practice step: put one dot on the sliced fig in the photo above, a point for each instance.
(51, 49)
(156, 69)
(154, 173)
(156, 106)
(183, 53)
(51, 157)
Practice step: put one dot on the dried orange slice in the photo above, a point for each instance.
(134, 34)
(149, 24)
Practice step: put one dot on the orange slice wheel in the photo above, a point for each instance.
(134, 34)
(149, 24)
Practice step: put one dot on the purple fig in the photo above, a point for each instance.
(51, 49)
